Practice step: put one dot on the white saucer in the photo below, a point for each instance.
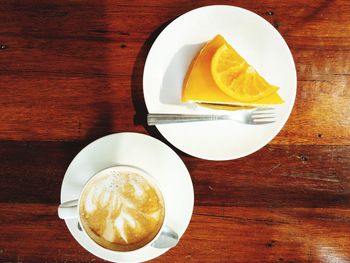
(171, 54)
(141, 151)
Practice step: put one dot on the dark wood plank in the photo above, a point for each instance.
(72, 71)
(34, 233)
(33, 172)
(216, 234)
(276, 176)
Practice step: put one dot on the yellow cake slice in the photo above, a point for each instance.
(238, 85)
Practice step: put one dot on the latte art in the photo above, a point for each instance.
(121, 211)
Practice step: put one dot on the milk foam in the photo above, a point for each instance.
(122, 207)
(103, 191)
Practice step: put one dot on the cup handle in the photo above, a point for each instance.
(68, 210)
(167, 239)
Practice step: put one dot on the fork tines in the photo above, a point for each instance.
(263, 115)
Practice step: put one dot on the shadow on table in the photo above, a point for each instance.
(65, 50)
(137, 84)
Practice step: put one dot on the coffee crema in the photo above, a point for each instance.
(121, 210)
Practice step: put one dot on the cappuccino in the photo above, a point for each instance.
(121, 210)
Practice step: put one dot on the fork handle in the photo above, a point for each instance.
(166, 118)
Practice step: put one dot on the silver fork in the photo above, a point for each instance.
(256, 116)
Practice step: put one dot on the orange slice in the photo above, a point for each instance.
(236, 78)
(199, 85)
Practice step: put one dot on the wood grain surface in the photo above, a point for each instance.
(71, 72)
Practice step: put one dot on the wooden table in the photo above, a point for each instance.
(71, 72)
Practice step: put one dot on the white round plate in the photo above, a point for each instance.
(171, 54)
(150, 155)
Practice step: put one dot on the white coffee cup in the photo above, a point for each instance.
(165, 238)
